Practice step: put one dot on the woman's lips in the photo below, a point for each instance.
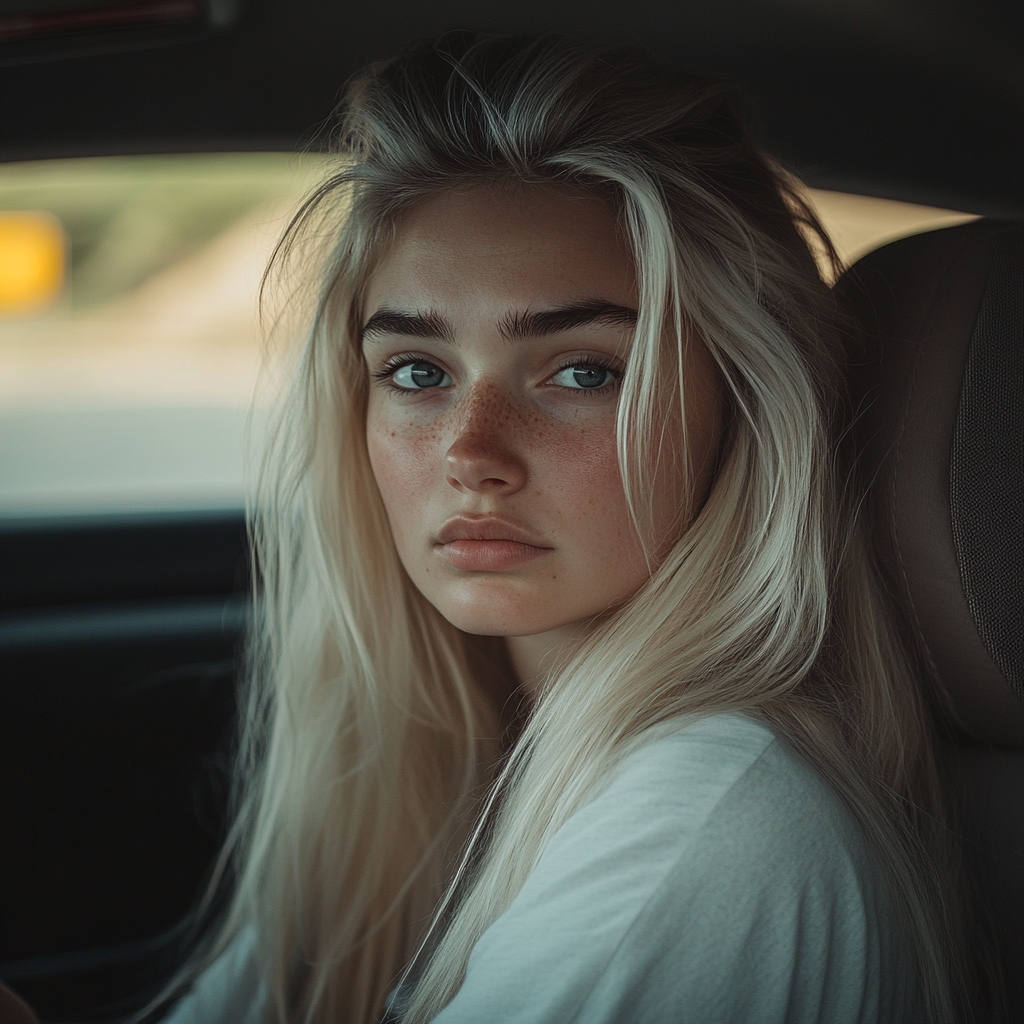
(488, 555)
(486, 544)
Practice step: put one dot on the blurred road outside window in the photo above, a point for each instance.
(129, 338)
(127, 386)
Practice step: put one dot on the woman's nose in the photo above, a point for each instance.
(484, 456)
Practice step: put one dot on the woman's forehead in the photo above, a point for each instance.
(498, 244)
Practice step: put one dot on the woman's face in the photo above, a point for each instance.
(497, 329)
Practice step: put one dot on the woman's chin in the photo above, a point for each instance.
(498, 625)
(483, 617)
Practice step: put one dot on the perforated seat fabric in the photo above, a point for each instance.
(937, 381)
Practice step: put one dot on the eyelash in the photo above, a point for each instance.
(395, 363)
(591, 363)
(392, 366)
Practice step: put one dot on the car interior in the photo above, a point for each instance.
(123, 608)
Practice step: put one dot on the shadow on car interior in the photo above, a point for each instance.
(121, 632)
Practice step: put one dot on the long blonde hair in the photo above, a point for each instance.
(370, 747)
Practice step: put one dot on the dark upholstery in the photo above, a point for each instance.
(938, 383)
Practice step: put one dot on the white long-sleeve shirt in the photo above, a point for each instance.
(715, 880)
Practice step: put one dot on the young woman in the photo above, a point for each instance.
(573, 694)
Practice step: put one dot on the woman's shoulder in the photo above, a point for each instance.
(716, 878)
(725, 766)
(719, 815)
(724, 788)
(711, 753)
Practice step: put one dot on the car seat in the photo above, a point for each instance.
(937, 384)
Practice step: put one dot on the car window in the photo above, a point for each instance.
(858, 224)
(129, 336)
(129, 339)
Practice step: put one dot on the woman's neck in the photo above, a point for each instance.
(536, 658)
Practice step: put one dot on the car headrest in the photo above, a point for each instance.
(937, 380)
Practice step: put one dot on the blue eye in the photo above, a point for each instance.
(413, 376)
(585, 376)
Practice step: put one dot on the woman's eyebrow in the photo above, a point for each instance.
(413, 325)
(516, 326)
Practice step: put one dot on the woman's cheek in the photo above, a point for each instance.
(403, 459)
(583, 464)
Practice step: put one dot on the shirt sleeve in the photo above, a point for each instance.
(717, 880)
(228, 992)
